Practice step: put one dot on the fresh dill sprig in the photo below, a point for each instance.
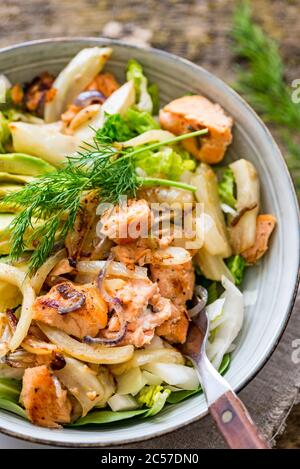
(261, 79)
(50, 204)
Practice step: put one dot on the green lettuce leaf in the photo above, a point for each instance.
(9, 396)
(119, 129)
(5, 404)
(179, 396)
(165, 163)
(236, 264)
(143, 98)
(115, 129)
(214, 289)
(10, 389)
(213, 293)
(106, 416)
(154, 93)
(140, 121)
(153, 397)
(227, 188)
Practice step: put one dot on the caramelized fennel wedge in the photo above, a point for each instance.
(87, 353)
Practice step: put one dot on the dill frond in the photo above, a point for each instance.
(261, 80)
(50, 204)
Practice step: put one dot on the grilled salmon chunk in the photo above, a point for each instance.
(265, 225)
(175, 329)
(144, 309)
(45, 402)
(87, 319)
(175, 282)
(191, 113)
(123, 224)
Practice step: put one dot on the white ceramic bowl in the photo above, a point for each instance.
(270, 287)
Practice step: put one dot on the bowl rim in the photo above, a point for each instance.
(190, 64)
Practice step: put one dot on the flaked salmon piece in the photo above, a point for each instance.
(84, 116)
(135, 295)
(151, 250)
(143, 307)
(105, 83)
(70, 114)
(137, 252)
(88, 319)
(265, 225)
(175, 282)
(141, 332)
(45, 402)
(17, 94)
(190, 113)
(123, 224)
(38, 92)
(175, 329)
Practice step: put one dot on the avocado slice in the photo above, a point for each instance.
(27, 165)
(15, 178)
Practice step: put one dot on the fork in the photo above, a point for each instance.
(227, 410)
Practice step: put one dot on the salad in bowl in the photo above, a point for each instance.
(118, 224)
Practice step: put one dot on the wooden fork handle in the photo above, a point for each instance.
(235, 424)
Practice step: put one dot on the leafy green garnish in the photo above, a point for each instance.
(9, 396)
(261, 80)
(10, 389)
(167, 162)
(143, 98)
(120, 129)
(154, 94)
(236, 264)
(55, 198)
(115, 129)
(213, 293)
(135, 72)
(12, 407)
(179, 396)
(106, 416)
(227, 188)
(153, 397)
(140, 121)
(214, 289)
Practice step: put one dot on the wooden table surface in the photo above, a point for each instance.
(200, 31)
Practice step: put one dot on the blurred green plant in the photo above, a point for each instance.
(260, 79)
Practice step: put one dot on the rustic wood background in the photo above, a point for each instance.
(200, 31)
